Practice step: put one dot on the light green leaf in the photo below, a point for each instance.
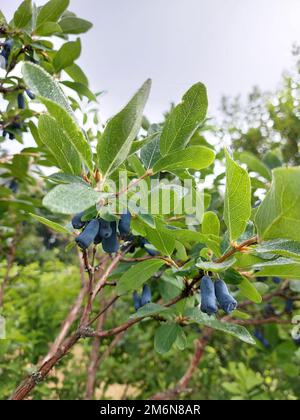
(115, 143)
(215, 267)
(23, 14)
(81, 89)
(249, 291)
(210, 224)
(137, 275)
(181, 340)
(194, 157)
(255, 164)
(48, 28)
(67, 54)
(281, 267)
(165, 337)
(184, 119)
(71, 129)
(76, 73)
(50, 224)
(61, 178)
(59, 145)
(149, 309)
(74, 25)
(150, 153)
(279, 214)
(42, 84)
(161, 238)
(51, 11)
(71, 198)
(237, 331)
(281, 247)
(237, 210)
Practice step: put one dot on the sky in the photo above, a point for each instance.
(230, 45)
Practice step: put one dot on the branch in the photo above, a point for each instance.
(182, 384)
(10, 261)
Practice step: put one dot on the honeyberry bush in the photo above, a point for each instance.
(145, 280)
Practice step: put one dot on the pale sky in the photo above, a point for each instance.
(230, 45)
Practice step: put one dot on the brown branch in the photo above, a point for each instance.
(237, 248)
(182, 384)
(11, 253)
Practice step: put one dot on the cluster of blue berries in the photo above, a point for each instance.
(214, 293)
(99, 231)
(5, 52)
(141, 300)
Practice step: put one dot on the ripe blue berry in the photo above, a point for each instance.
(77, 223)
(146, 295)
(111, 244)
(224, 298)
(88, 235)
(124, 224)
(144, 244)
(276, 280)
(259, 336)
(105, 230)
(21, 101)
(13, 186)
(289, 306)
(30, 94)
(136, 300)
(208, 298)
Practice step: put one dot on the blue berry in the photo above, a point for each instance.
(144, 244)
(146, 295)
(124, 224)
(21, 101)
(13, 186)
(208, 297)
(85, 239)
(111, 244)
(259, 336)
(224, 298)
(30, 94)
(136, 300)
(289, 306)
(276, 280)
(77, 223)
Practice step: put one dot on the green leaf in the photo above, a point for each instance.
(59, 145)
(51, 11)
(231, 276)
(281, 247)
(181, 340)
(48, 28)
(282, 267)
(76, 73)
(149, 309)
(255, 164)
(249, 291)
(71, 198)
(237, 331)
(165, 337)
(42, 84)
(237, 210)
(67, 54)
(194, 157)
(71, 129)
(210, 224)
(61, 178)
(184, 119)
(81, 89)
(74, 25)
(50, 224)
(150, 153)
(115, 143)
(23, 14)
(215, 267)
(137, 275)
(161, 238)
(279, 214)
